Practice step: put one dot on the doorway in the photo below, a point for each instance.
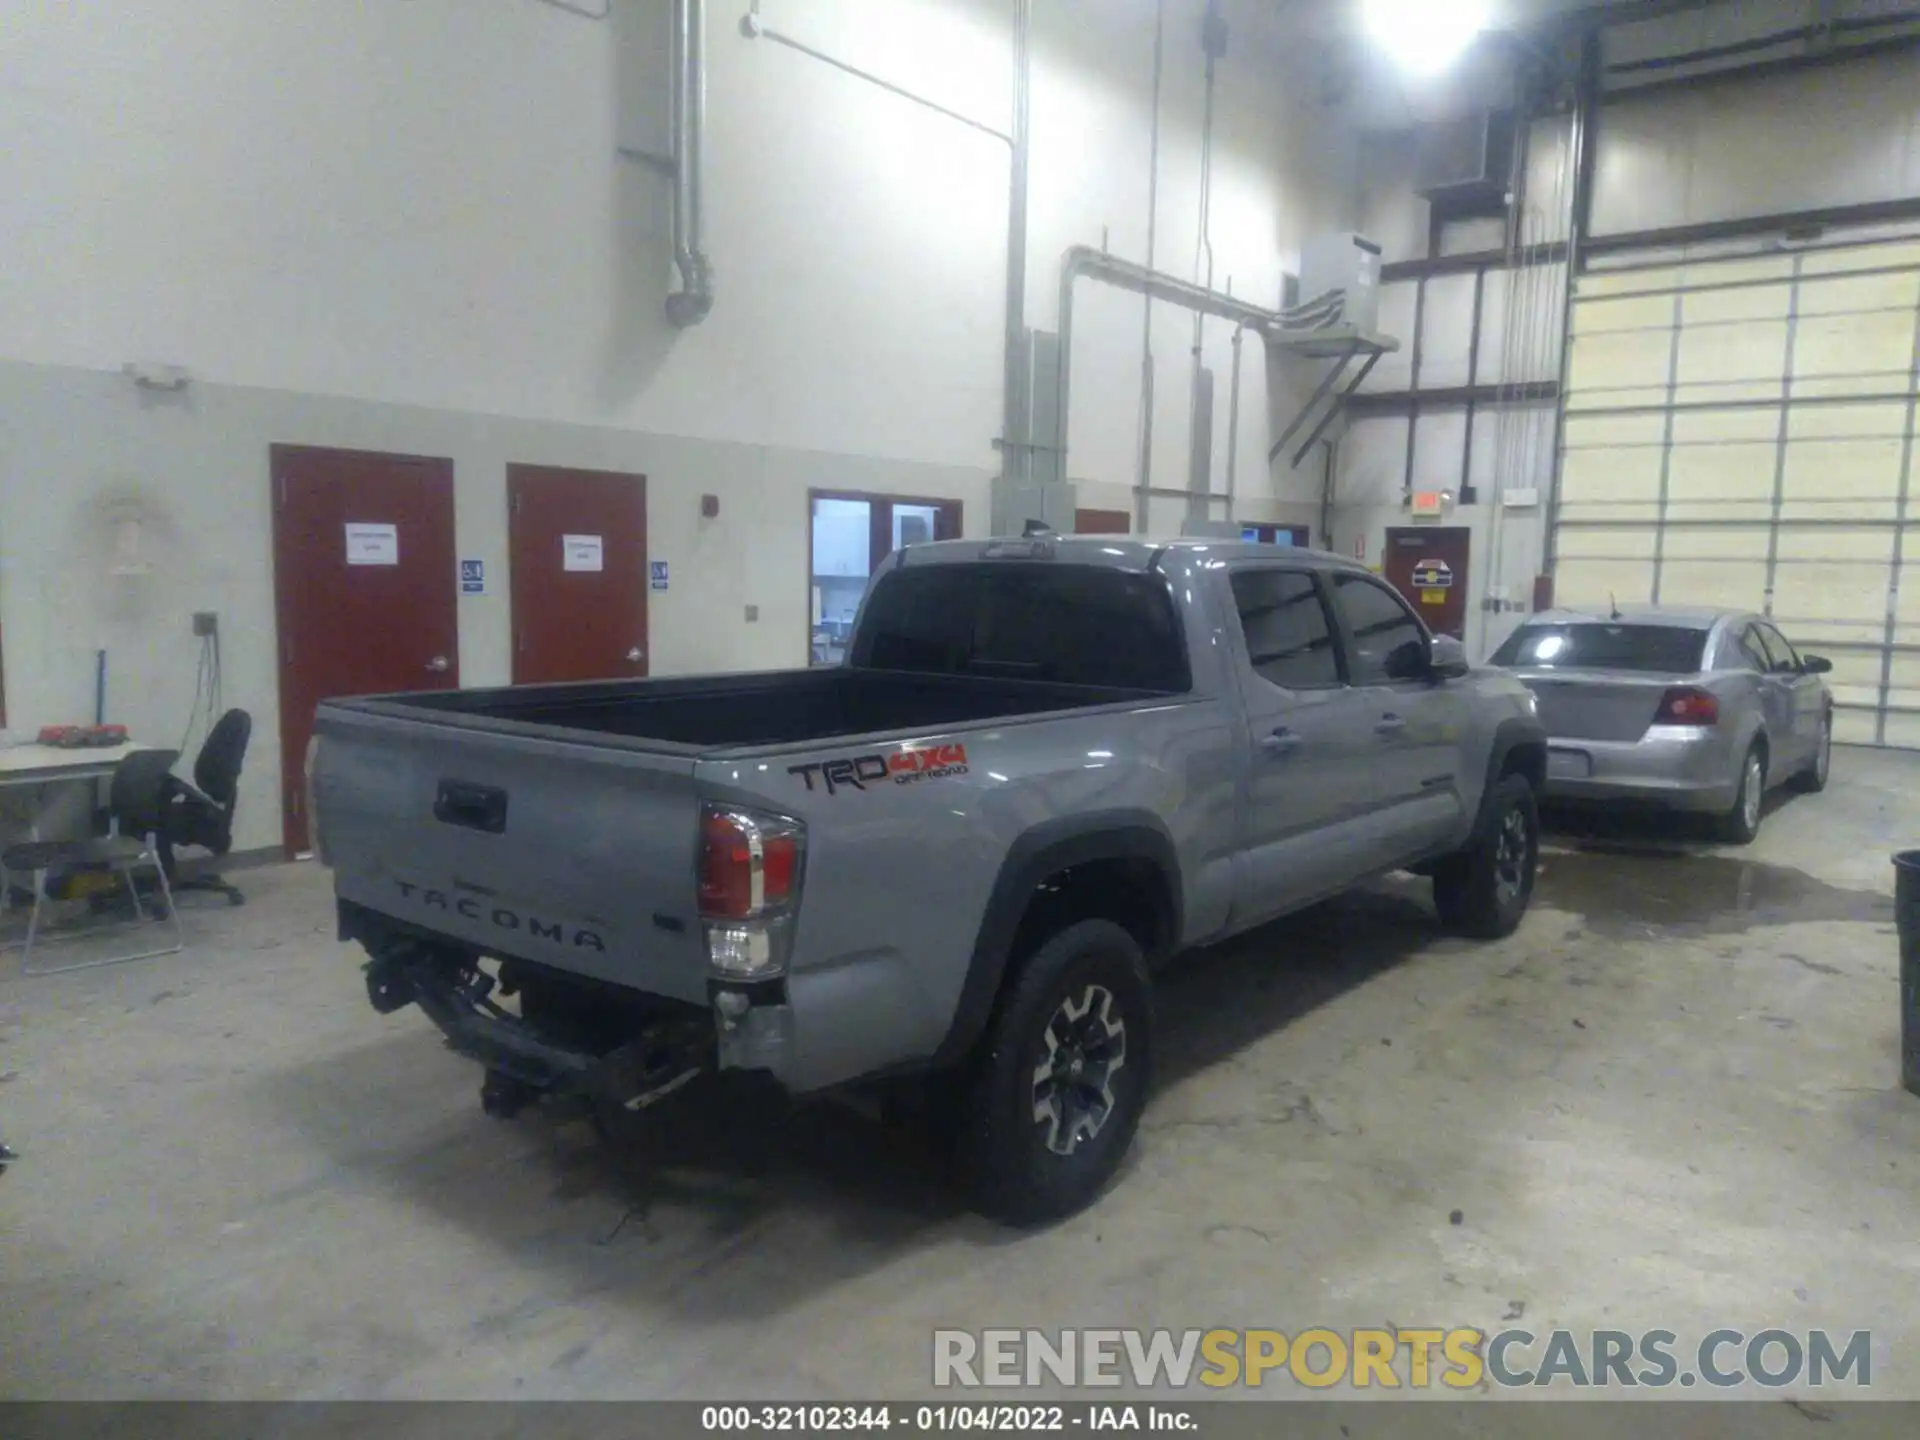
(1102, 522)
(848, 535)
(1428, 565)
(363, 583)
(577, 558)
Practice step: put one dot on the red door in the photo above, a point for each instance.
(1102, 522)
(577, 542)
(1428, 565)
(363, 581)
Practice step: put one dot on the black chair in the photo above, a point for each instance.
(201, 814)
(135, 800)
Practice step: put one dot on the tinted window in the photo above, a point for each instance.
(1779, 653)
(1071, 624)
(1656, 649)
(1289, 642)
(1382, 627)
(1751, 650)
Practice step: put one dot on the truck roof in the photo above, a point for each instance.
(1122, 552)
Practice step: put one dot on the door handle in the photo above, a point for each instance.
(635, 654)
(438, 665)
(1281, 742)
(1390, 725)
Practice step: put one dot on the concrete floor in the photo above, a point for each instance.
(1670, 1101)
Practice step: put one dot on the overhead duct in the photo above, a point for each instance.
(690, 304)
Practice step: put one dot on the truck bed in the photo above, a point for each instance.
(704, 714)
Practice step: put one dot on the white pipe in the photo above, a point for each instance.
(693, 301)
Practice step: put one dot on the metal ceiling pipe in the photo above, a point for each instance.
(1085, 261)
(692, 302)
(1016, 427)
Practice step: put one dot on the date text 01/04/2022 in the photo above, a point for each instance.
(992, 1419)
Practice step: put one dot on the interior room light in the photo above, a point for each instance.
(1424, 37)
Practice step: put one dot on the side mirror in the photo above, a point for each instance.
(1448, 658)
(1409, 660)
(1815, 664)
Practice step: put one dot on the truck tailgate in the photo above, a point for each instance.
(580, 856)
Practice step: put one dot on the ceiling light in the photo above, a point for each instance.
(1424, 37)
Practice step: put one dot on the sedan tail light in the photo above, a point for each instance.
(1688, 705)
(750, 872)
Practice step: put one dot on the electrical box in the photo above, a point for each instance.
(1349, 263)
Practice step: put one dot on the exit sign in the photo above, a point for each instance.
(1428, 502)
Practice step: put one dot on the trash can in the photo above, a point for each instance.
(1906, 914)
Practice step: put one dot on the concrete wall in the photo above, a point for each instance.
(403, 225)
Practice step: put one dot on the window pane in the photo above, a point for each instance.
(1779, 652)
(1752, 651)
(1381, 625)
(1289, 641)
(1069, 624)
(1654, 649)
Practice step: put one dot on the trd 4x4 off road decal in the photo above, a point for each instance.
(904, 767)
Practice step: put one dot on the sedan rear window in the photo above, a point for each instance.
(1655, 649)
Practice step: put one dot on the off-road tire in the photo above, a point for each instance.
(1004, 1150)
(1484, 890)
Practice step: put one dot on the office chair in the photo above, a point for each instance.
(201, 814)
(135, 800)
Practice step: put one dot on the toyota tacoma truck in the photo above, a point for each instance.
(1046, 765)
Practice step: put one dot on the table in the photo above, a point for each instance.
(54, 764)
(44, 765)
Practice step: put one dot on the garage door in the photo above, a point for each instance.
(1740, 432)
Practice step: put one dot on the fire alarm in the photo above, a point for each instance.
(709, 506)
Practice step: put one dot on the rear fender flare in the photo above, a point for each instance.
(1046, 849)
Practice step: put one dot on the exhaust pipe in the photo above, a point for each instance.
(690, 304)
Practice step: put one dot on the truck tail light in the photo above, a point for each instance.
(1686, 705)
(750, 872)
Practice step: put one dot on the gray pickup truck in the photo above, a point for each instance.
(1046, 765)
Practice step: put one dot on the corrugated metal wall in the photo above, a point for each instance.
(1739, 431)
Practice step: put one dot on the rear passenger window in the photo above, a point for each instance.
(1388, 642)
(1289, 638)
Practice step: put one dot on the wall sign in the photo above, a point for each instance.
(473, 577)
(1432, 575)
(582, 552)
(372, 544)
(657, 569)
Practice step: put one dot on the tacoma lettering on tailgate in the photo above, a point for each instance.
(557, 931)
(904, 767)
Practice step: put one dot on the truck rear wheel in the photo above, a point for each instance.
(1061, 1079)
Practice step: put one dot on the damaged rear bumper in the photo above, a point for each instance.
(521, 1061)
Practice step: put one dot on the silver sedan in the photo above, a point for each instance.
(1702, 710)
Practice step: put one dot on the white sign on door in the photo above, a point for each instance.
(373, 544)
(582, 552)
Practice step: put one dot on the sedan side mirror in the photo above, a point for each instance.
(1815, 665)
(1448, 658)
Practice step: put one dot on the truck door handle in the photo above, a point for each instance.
(1281, 742)
(438, 665)
(1390, 725)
